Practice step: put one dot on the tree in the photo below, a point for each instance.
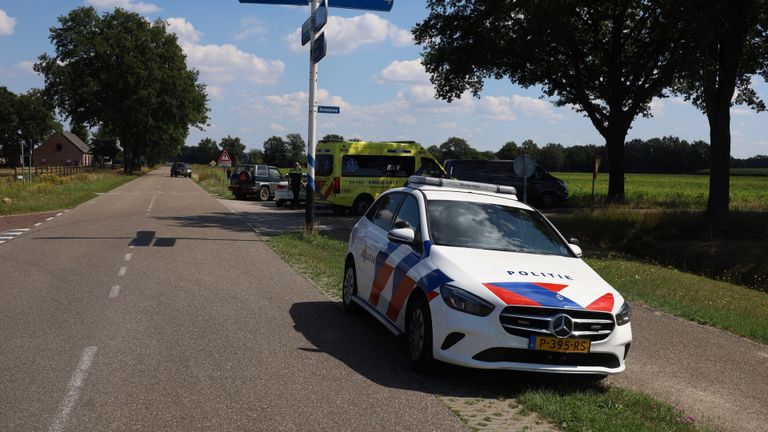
(276, 151)
(104, 145)
(35, 121)
(207, 150)
(81, 131)
(234, 147)
(530, 147)
(508, 151)
(552, 157)
(9, 140)
(297, 150)
(608, 59)
(333, 137)
(457, 148)
(435, 152)
(256, 156)
(728, 45)
(123, 72)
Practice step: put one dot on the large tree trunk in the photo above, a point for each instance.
(719, 117)
(614, 140)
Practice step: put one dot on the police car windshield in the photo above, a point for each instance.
(492, 226)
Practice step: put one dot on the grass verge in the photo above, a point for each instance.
(50, 192)
(213, 179)
(588, 409)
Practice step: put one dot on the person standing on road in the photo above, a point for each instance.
(294, 176)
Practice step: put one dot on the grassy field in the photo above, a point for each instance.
(667, 191)
(212, 179)
(591, 408)
(51, 192)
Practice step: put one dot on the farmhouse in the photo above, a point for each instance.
(63, 149)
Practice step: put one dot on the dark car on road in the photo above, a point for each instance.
(259, 181)
(544, 189)
(181, 169)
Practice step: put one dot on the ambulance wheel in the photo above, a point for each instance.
(349, 289)
(361, 205)
(418, 330)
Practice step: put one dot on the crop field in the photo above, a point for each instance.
(667, 191)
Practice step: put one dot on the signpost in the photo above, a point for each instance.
(224, 159)
(318, 49)
(524, 166)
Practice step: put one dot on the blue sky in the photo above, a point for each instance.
(257, 74)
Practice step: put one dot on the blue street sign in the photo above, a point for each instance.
(326, 109)
(317, 52)
(321, 16)
(374, 5)
(306, 31)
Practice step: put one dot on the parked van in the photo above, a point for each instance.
(350, 175)
(544, 190)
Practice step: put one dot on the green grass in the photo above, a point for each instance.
(606, 410)
(720, 304)
(50, 192)
(585, 408)
(213, 179)
(667, 191)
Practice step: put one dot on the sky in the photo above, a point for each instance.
(257, 75)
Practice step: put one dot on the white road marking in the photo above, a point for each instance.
(19, 229)
(38, 224)
(122, 271)
(2, 241)
(131, 247)
(59, 214)
(11, 233)
(128, 256)
(73, 390)
(50, 218)
(7, 238)
(763, 354)
(114, 292)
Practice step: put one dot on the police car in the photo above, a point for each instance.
(475, 278)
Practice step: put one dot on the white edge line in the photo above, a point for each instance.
(114, 292)
(59, 214)
(73, 390)
(38, 224)
(2, 241)
(128, 256)
(19, 229)
(7, 238)
(50, 218)
(122, 271)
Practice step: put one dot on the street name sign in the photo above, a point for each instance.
(306, 31)
(321, 16)
(327, 109)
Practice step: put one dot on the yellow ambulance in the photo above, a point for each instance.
(350, 175)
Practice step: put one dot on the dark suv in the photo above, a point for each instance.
(181, 169)
(259, 181)
(544, 189)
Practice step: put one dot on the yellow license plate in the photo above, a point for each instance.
(544, 343)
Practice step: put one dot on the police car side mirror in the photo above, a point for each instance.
(576, 249)
(402, 235)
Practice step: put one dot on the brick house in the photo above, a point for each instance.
(63, 149)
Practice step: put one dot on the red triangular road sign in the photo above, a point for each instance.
(224, 157)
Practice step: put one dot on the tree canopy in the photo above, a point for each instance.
(607, 59)
(26, 119)
(234, 147)
(123, 72)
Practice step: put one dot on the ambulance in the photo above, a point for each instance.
(350, 175)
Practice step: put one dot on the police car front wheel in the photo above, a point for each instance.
(418, 329)
(349, 289)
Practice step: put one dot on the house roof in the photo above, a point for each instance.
(74, 139)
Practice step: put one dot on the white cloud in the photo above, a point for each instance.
(130, 5)
(223, 63)
(25, 67)
(405, 71)
(214, 91)
(277, 128)
(345, 35)
(184, 30)
(741, 111)
(657, 107)
(251, 27)
(447, 125)
(7, 23)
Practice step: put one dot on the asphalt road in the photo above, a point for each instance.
(154, 307)
(713, 376)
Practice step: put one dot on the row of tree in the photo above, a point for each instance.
(25, 121)
(608, 59)
(277, 151)
(656, 155)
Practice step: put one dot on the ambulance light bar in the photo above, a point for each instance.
(461, 184)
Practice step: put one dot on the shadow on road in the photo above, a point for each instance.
(228, 221)
(366, 347)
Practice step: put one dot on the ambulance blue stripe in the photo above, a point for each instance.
(538, 294)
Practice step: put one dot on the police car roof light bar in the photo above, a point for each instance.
(460, 184)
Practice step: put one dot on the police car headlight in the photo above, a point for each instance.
(624, 313)
(463, 301)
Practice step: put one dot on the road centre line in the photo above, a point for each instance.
(38, 224)
(12, 233)
(2, 241)
(59, 214)
(73, 390)
(763, 354)
(128, 256)
(50, 218)
(114, 292)
(122, 271)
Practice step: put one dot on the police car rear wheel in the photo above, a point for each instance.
(419, 334)
(349, 289)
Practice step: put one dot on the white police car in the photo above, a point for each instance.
(476, 278)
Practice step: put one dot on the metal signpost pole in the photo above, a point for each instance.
(309, 218)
